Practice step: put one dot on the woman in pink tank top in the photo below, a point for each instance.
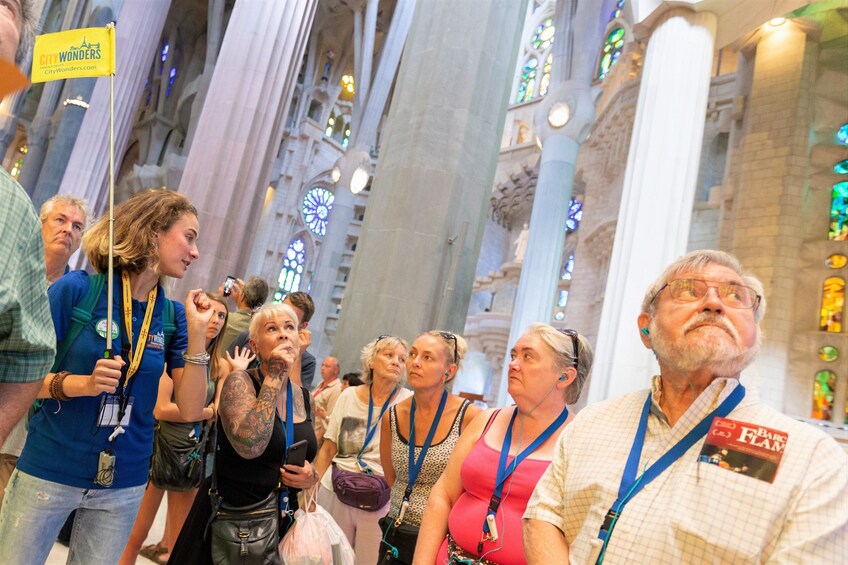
(474, 511)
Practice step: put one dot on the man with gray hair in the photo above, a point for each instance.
(697, 469)
(63, 220)
(27, 338)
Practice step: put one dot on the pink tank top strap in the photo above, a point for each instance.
(489, 423)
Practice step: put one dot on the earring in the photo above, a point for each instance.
(562, 378)
(645, 331)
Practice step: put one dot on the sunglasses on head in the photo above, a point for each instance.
(450, 336)
(575, 342)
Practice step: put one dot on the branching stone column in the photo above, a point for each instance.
(414, 264)
(659, 189)
(87, 174)
(240, 131)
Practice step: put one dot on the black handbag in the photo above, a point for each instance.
(245, 534)
(177, 462)
(398, 543)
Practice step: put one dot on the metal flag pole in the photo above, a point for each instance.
(109, 353)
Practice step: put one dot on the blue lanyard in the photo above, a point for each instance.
(289, 427)
(504, 471)
(415, 466)
(631, 484)
(371, 430)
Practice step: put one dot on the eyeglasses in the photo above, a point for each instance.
(575, 342)
(731, 294)
(448, 335)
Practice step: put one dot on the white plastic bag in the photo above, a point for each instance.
(315, 539)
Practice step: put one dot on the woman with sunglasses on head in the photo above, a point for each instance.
(349, 459)
(431, 420)
(474, 510)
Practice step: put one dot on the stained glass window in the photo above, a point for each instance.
(842, 135)
(839, 213)
(559, 316)
(348, 88)
(823, 389)
(832, 305)
(546, 75)
(616, 12)
(544, 35)
(172, 76)
(528, 81)
(828, 353)
(292, 272)
(562, 299)
(163, 56)
(841, 168)
(316, 210)
(836, 261)
(575, 214)
(611, 51)
(568, 268)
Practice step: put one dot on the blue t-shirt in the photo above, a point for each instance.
(65, 438)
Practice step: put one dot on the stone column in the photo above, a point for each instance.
(87, 173)
(367, 114)
(240, 130)
(542, 264)
(414, 264)
(37, 140)
(659, 189)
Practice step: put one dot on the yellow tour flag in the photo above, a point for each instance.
(88, 52)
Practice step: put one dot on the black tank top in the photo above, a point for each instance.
(247, 481)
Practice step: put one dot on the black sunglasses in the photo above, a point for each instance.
(575, 342)
(448, 335)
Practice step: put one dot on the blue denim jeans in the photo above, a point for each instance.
(34, 510)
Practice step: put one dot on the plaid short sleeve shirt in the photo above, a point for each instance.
(27, 339)
(695, 512)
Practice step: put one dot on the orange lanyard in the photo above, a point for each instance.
(145, 325)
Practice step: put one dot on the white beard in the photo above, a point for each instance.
(715, 349)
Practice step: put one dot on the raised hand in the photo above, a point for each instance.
(243, 357)
(199, 311)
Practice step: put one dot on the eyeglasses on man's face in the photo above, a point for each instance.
(730, 294)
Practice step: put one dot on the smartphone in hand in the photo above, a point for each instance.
(296, 454)
(228, 285)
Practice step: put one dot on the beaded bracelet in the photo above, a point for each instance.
(196, 358)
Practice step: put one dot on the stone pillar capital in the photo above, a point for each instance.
(568, 109)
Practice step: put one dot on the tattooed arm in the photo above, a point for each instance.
(248, 419)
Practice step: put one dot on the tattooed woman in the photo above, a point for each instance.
(252, 413)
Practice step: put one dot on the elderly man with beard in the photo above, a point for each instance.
(697, 469)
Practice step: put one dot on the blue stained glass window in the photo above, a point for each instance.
(575, 214)
(528, 81)
(562, 299)
(616, 12)
(568, 268)
(172, 76)
(292, 272)
(165, 48)
(841, 168)
(842, 135)
(317, 205)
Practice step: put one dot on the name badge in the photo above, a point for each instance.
(109, 413)
(747, 449)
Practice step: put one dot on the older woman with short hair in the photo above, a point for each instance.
(253, 416)
(352, 447)
(474, 511)
(432, 420)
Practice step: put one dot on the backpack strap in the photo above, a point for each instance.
(80, 316)
(169, 325)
